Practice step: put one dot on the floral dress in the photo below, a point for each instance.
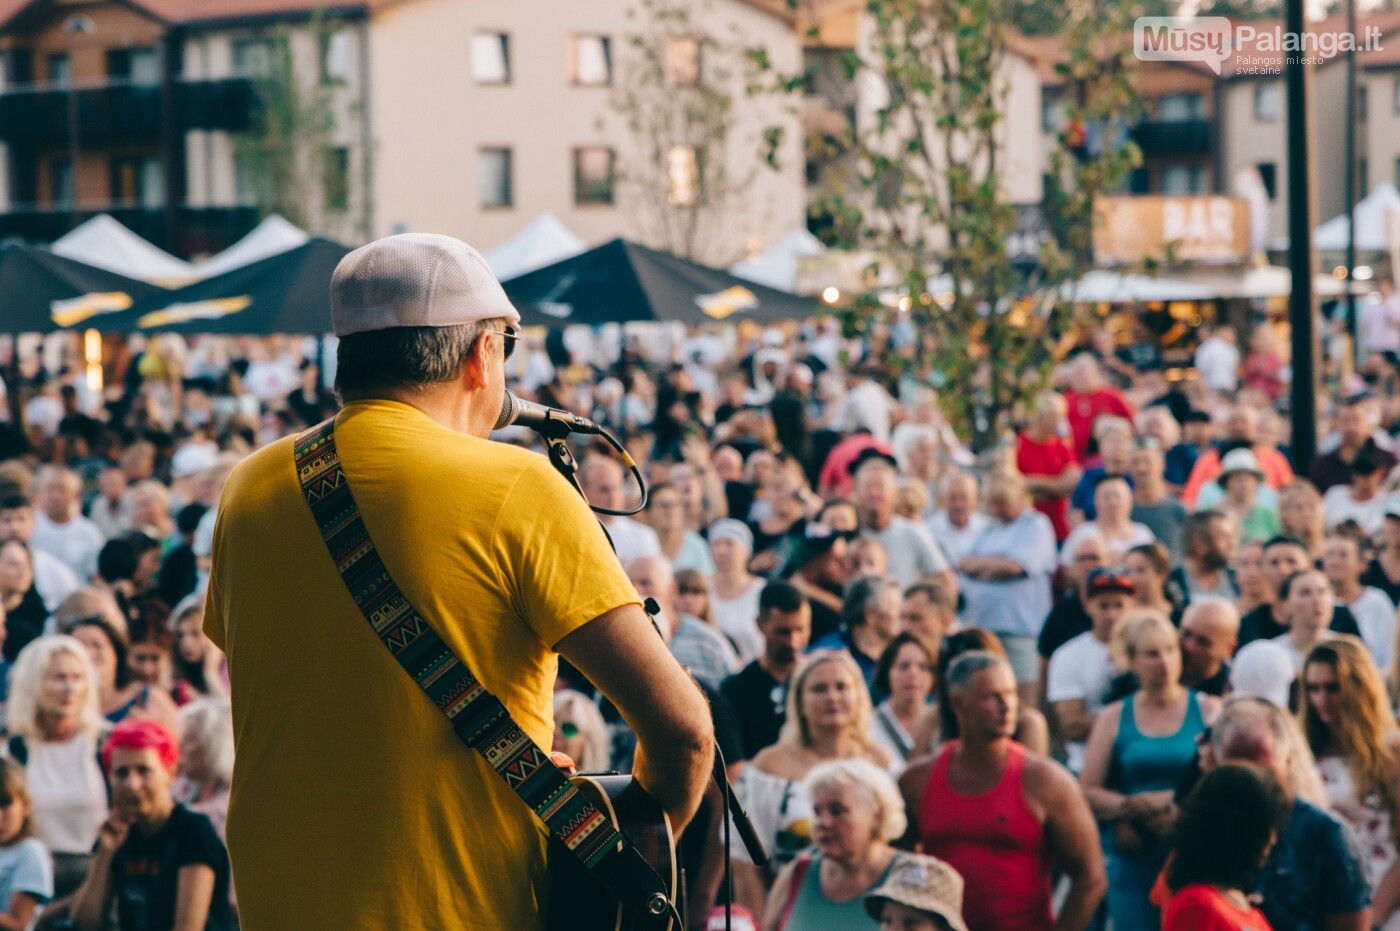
(1368, 819)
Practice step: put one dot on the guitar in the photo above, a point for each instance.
(578, 902)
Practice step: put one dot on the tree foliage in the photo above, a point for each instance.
(918, 184)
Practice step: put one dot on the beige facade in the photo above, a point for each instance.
(451, 116)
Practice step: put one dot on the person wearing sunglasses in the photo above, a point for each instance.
(500, 557)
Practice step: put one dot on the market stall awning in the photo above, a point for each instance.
(273, 236)
(544, 241)
(1106, 287)
(41, 292)
(105, 243)
(622, 282)
(777, 267)
(1371, 223)
(287, 293)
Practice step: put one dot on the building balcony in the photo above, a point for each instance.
(122, 111)
(201, 230)
(1173, 137)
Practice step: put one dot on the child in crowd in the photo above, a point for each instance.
(26, 869)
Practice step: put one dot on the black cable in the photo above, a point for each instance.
(631, 464)
(728, 864)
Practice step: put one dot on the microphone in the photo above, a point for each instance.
(551, 421)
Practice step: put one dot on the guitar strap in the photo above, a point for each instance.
(477, 717)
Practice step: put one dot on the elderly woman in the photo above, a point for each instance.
(734, 589)
(206, 759)
(55, 724)
(120, 693)
(857, 811)
(828, 718)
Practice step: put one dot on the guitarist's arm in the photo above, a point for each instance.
(621, 653)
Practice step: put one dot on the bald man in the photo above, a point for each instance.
(698, 646)
(1210, 631)
(602, 480)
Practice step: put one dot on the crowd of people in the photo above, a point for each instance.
(1127, 671)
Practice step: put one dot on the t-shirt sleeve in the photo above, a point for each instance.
(1345, 887)
(1060, 681)
(930, 557)
(33, 871)
(198, 843)
(559, 566)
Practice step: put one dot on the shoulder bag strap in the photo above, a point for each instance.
(477, 717)
(799, 876)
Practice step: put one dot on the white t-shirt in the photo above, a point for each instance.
(1375, 616)
(25, 867)
(1339, 506)
(1081, 669)
(632, 539)
(1218, 361)
(738, 618)
(53, 579)
(77, 542)
(912, 553)
(1138, 535)
(70, 797)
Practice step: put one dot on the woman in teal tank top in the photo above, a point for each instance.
(857, 811)
(1138, 750)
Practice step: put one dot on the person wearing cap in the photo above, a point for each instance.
(503, 559)
(760, 688)
(1080, 672)
(734, 590)
(1240, 477)
(1005, 818)
(60, 529)
(1360, 500)
(920, 894)
(1357, 421)
(1005, 576)
(912, 553)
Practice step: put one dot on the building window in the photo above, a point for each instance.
(336, 179)
(594, 176)
(1266, 102)
(683, 62)
(334, 56)
(1052, 116)
(134, 65)
(494, 177)
(1268, 173)
(1179, 107)
(591, 61)
(61, 181)
(1183, 179)
(491, 58)
(683, 170)
(59, 71)
(252, 58)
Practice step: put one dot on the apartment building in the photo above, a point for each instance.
(485, 114)
(129, 107)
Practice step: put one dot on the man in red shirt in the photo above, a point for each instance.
(1047, 462)
(1087, 398)
(1005, 818)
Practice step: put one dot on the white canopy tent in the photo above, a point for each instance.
(543, 242)
(273, 236)
(777, 267)
(1371, 223)
(1106, 287)
(105, 243)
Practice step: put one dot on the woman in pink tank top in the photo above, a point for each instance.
(995, 841)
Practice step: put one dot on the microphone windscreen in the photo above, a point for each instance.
(507, 411)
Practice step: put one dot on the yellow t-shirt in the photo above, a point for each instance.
(354, 806)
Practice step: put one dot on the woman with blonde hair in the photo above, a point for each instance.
(55, 723)
(1350, 729)
(580, 731)
(828, 718)
(858, 812)
(1139, 748)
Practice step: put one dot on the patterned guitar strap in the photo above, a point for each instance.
(477, 717)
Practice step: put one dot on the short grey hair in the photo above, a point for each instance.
(209, 722)
(864, 592)
(969, 664)
(871, 784)
(408, 357)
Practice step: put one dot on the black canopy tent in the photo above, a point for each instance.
(41, 292)
(622, 282)
(286, 293)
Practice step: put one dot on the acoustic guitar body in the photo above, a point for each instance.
(577, 902)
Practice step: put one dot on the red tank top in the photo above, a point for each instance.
(995, 842)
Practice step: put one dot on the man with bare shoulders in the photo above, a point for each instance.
(1005, 818)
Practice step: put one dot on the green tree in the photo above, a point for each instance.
(1243, 9)
(1047, 17)
(287, 156)
(918, 186)
(675, 94)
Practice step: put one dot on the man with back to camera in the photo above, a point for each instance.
(354, 805)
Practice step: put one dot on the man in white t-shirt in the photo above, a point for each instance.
(1218, 360)
(958, 520)
(59, 528)
(601, 479)
(912, 553)
(1082, 670)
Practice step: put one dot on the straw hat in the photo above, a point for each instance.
(924, 884)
